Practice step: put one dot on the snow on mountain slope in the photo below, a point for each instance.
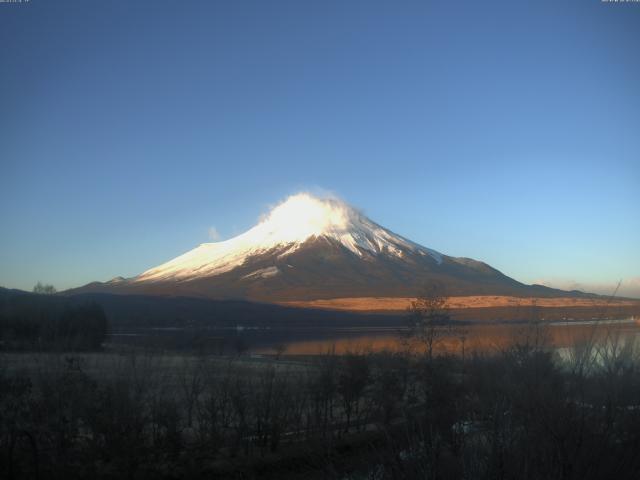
(299, 218)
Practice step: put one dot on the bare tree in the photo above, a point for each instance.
(44, 289)
(280, 350)
(463, 336)
(429, 317)
(353, 378)
(192, 384)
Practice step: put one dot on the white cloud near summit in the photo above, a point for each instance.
(214, 235)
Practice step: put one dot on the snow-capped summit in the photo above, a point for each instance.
(288, 226)
(309, 248)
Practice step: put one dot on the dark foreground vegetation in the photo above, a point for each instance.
(42, 321)
(522, 413)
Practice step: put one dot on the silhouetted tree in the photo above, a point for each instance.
(44, 289)
(429, 317)
(353, 378)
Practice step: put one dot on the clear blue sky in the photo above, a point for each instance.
(503, 131)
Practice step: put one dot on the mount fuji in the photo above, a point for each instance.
(308, 249)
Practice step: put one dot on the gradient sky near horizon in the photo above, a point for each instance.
(504, 131)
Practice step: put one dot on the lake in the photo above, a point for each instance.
(313, 341)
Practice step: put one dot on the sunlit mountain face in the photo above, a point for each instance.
(310, 248)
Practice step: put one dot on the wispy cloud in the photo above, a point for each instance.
(214, 235)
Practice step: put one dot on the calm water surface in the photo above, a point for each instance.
(474, 338)
(312, 341)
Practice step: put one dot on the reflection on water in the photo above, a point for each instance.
(313, 341)
(473, 338)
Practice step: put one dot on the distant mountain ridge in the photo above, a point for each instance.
(309, 248)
